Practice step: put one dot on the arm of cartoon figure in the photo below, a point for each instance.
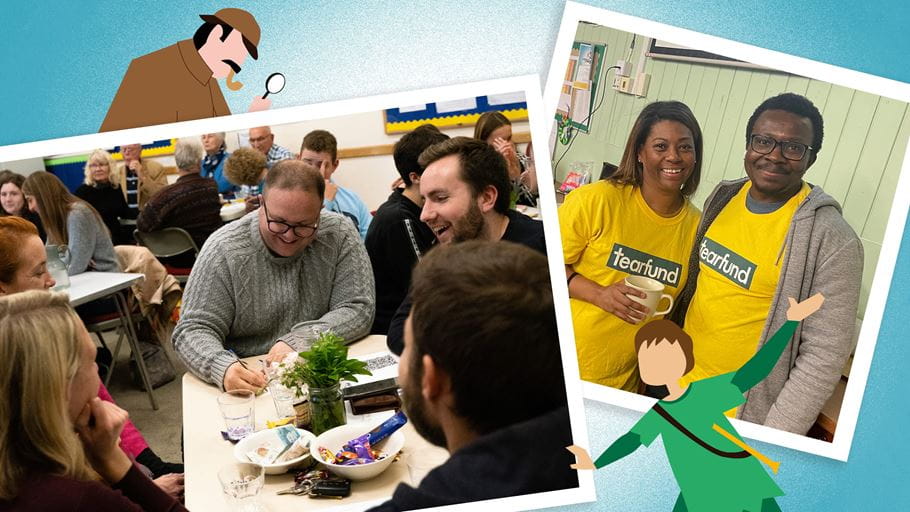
(761, 364)
(626, 444)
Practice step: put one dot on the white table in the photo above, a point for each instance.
(89, 286)
(205, 452)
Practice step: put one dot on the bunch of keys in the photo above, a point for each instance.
(319, 484)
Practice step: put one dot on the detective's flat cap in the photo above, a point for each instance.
(239, 20)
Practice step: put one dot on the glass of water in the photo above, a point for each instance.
(238, 410)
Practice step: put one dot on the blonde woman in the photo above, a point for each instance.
(59, 443)
(23, 267)
(71, 221)
(101, 189)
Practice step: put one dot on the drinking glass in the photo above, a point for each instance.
(238, 409)
(241, 483)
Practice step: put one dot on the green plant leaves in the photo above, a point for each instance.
(325, 364)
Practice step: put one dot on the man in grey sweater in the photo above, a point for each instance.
(764, 239)
(271, 281)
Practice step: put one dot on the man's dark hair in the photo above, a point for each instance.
(481, 166)
(321, 141)
(202, 33)
(410, 146)
(796, 105)
(295, 174)
(483, 311)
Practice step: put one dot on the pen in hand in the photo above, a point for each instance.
(246, 367)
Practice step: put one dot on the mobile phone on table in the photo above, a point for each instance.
(370, 388)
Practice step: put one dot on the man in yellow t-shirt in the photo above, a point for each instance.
(764, 239)
(609, 232)
(740, 261)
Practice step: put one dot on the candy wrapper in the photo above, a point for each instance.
(360, 449)
(277, 444)
(387, 428)
(300, 447)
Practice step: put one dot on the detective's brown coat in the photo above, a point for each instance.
(165, 86)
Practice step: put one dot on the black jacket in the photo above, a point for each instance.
(395, 242)
(521, 229)
(524, 458)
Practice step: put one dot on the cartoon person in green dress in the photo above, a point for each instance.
(712, 470)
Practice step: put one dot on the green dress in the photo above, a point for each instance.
(707, 481)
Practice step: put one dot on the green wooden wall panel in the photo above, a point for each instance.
(797, 84)
(777, 83)
(818, 92)
(837, 107)
(713, 122)
(845, 159)
(668, 82)
(693, 84)
(877, 220)
(872, 161)
(729, 144)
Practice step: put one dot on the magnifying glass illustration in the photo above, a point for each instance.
(274, 84)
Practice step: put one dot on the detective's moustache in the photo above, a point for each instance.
(232, 64)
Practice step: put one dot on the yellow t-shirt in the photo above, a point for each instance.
(740, 260)
(610, 232)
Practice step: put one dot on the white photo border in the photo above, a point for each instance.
(537, 121)
(839, 449)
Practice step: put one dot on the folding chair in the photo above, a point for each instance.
(166, 243)
(125, 329)
(108, 322)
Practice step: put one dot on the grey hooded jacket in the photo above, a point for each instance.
(821, 254)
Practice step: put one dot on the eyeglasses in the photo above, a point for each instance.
(789, 149)
(280, 228)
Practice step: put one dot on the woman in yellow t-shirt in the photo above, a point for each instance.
(639, 221)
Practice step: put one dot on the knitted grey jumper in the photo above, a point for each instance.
(241, 297)
(89, 243)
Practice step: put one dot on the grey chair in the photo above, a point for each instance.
(166, 243)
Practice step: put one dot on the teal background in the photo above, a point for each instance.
(61, 63)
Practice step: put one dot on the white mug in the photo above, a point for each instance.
(655, 293)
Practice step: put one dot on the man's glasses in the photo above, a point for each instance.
(280, 228)
(789, 149)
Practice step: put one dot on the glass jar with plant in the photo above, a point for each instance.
(321, 369)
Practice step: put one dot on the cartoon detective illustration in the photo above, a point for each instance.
(714, 468)
(179, 82)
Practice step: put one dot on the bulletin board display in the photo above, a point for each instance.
(455, 114)
(71, 169)
(580, 85)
